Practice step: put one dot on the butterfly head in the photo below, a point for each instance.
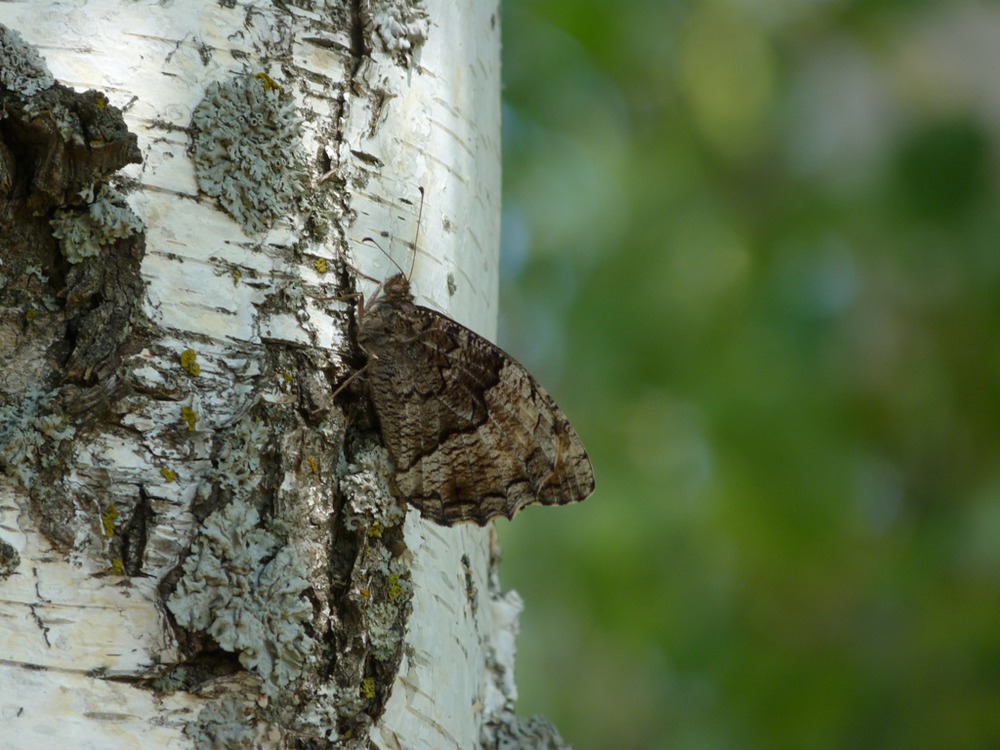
(397, 287)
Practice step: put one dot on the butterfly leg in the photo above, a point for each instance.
(350, 379)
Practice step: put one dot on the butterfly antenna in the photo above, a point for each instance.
(416, 233)
(391, 259)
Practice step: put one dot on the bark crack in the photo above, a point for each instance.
(34, 613)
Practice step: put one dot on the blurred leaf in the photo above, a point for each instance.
(754, 257)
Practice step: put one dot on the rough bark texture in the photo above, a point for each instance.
(197, 546)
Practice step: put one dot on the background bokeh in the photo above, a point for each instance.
(753, 247)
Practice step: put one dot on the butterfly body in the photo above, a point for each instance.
(473, 436)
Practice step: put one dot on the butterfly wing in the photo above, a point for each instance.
(471, 432)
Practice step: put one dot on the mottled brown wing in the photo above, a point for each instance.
(472, 434)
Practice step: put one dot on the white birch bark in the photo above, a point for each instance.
(390, 100)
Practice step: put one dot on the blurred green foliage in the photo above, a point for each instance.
(753, 248)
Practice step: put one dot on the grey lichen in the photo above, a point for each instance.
(247, 150)
(402, 25)
(327, 707)
(370, 507)
(22, 69)
(368, 498)
(510, 732)
(9, 559)
(84, 233)
(376, 600)
(223, 725)
(238, 461)
(384, 633)
(27, 434)
(176, 678)
(245, 588)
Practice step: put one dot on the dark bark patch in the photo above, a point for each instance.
(70, 288)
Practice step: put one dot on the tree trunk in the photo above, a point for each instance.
(197, 548)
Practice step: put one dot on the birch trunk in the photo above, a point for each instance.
(196, 549)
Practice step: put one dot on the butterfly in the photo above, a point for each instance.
(472, 434)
